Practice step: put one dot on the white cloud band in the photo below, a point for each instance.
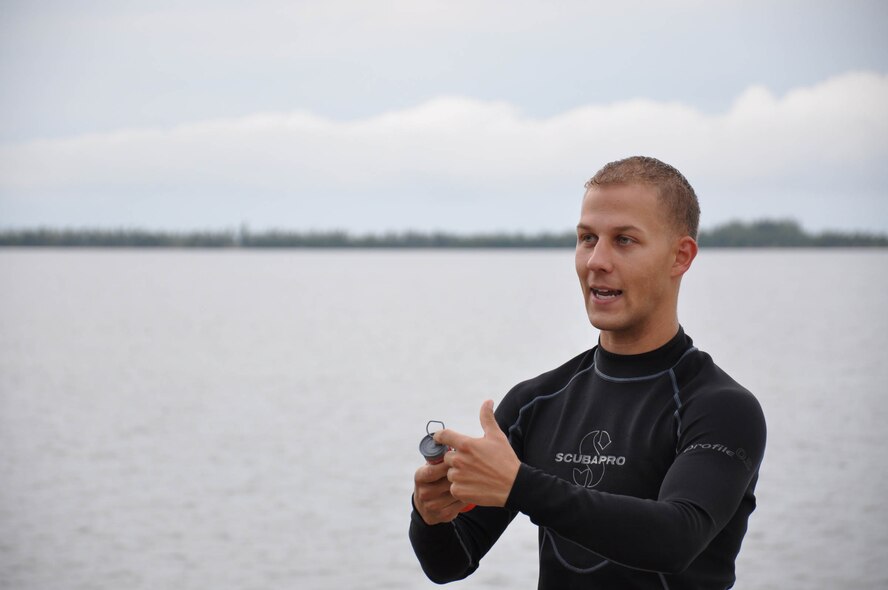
(833, 132)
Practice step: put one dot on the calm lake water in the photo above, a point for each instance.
(241, 419)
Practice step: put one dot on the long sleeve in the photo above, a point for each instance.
(451, 551)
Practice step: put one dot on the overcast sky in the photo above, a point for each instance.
(455, 115)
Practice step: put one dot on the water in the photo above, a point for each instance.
(241, 419)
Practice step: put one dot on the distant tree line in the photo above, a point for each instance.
(783, 234)
(97, 238)
(736, 234)
(116, 238)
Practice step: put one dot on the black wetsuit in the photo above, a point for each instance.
(638, 470)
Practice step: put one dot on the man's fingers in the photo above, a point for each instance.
(455, 439)
(435, 503)
(488, 420)
(451, 438)
(430, 473)
(435, 494)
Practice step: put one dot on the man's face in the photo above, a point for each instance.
(625, 260)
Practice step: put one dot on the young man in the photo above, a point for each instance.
(637, 459)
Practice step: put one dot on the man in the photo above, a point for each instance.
(637, 459)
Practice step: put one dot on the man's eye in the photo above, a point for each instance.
(624, 240)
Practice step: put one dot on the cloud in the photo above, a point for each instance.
(829, 138)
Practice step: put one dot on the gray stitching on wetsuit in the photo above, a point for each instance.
(643, 377)
(573, 568)
(461, 544)
(677, 412)
(516, 425)
(543, 397)
(663, 580)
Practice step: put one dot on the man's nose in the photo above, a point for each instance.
(600, 259)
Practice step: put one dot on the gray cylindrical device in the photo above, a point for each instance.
(432, 452)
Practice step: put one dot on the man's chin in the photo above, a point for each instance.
(605, 324)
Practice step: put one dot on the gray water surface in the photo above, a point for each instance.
(242, 419)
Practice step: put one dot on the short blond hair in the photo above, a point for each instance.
(674, 189)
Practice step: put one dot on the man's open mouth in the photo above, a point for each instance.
(605, 294)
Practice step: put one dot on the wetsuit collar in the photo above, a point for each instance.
(647, 363)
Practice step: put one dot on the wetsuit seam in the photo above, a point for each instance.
(550, 535)
(516, 425)
(678, 408)
(461, 544)
(641, 377)
(547, 534)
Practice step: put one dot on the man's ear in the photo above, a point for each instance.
(685, 252)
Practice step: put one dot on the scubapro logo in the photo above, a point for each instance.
(592, 457)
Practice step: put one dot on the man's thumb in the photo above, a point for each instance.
(488, 420)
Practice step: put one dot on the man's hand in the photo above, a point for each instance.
(431, 494)
(481, 470)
